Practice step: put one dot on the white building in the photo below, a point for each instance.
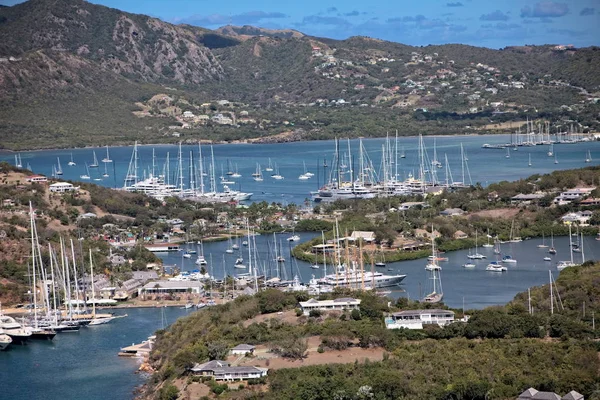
(221, 371)
(62, 187)
(242, 349)
(172, 287)
(416, 319)
(340, 304)
(572, 194)
(37, 179)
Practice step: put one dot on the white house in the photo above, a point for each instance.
(37, 179)
(416, 319)
(572, 194)
(172, 287)
(62, 187)
(581, 218)
(221, 371)
(242, 349)
(340, 304)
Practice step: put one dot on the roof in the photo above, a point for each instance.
(366, 235)
(572, 395)
(532, 196)
(237, 370)
(210, 365)
(244, 346)
(420, 312)
(325, 303)
(61, 184)
(174, 285)
(528, 394)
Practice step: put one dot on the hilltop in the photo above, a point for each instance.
(74, 73)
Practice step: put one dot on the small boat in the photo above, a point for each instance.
(95, 163)
(239, 261)
(187, 255)
(71, 163)
(588, 157)
(551, 150)
(552, 250)
(276, 175)
(529, 164)
(107, 158)
(104, 320)
(269, 167)
(508, 259)
(239, 266)
(293, 238)
(468, 264)
(201, 260)
(258, 174)
(494, 266)
(5, 341)
(245, 243)
(315, 266)
(555, 159)
(547, 258)
(507, 153)
(105, 174)
(59, 170)
(87, 173)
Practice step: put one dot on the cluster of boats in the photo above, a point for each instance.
(58, 291)
(365, 181)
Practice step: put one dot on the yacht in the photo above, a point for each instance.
(353, 278)
(293, 238)
(508, 259)
(495, 266)
(12, 328)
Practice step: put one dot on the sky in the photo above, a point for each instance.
(494, 24)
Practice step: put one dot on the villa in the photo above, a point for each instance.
(221, 371)
(417, 319)
(340, 304)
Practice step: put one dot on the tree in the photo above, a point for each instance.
(169, 392)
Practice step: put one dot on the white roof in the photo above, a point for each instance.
(325, 303)
(174, 285)
(61, 184)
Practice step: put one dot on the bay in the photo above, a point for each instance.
(84, 364)
(484, 165)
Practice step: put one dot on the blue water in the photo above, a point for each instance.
(486, 166)
(84, 364)
(477, 287)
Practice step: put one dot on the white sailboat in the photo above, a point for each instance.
(488, 244)
(71, 163)
(555, 159)
(105, 174)
(87, 173)
(476, 255)
(276, 175)
(269, 167)
(98, 319)
(107, 158)
(588, 157)
(95, 163)
(18, 162)
(59, 170)
(529, 164)
(507, 153)
(551, 150)
(258, 177)
(570, 263)
(229, 249)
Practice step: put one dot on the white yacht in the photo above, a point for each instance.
(354, 278)
(5, 341)
(12, 328)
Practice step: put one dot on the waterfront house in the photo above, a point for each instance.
(416, 319)
(341, 304)
(243, 349)
(221, 371)
(582, 218)
(62, 187)
(170, 287)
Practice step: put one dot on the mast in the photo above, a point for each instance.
(200, 164)
(396, 158)
(75, 272)
(180, 171)
(92, 282)
(33, 255)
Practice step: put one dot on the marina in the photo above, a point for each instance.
(317, 156)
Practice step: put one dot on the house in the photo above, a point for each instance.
(533, 394)
(572, 195)
(221, 371)
(416, 319)
(592, 201)
(460, 235)
(581, 218)
(341, 304)
(526, 199)
(366, 236)
(62, 187)
(37, 179)
(8, 203)
(452, 212)
(242, 349)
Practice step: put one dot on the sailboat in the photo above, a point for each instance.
(514, 239)
(551, 150)
(105, 174)
(588, 157)
(507, 153)
(258, 177)
(555, 159)
(529, 164)
(552, 250)
(71, 163)
(269, 167)
(229, 249)
(87, 173)
(95, 163)
(564, 264)
(488, 244)
(403, 154)
(382, 262)
(107, 158)
(476, 255)
(543, 245)
(236, 174)
(435, 162)
(59, 170)
(98, 319)
(305, 175)
(437, 294)
(276, 175)
(18, 162)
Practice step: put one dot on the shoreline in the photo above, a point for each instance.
(244, 141)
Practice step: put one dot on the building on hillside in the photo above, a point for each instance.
(221, 371)
(416, 319)
(581, 218)
(341, 304)
(37, 179)
(526, 199)
(452, 212)
(460, 235)
(171, 287)
(367, 236)
(533, 394)
(243, 349)
(62, 187)
(572, 195)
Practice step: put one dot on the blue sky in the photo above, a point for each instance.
(476, 22)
